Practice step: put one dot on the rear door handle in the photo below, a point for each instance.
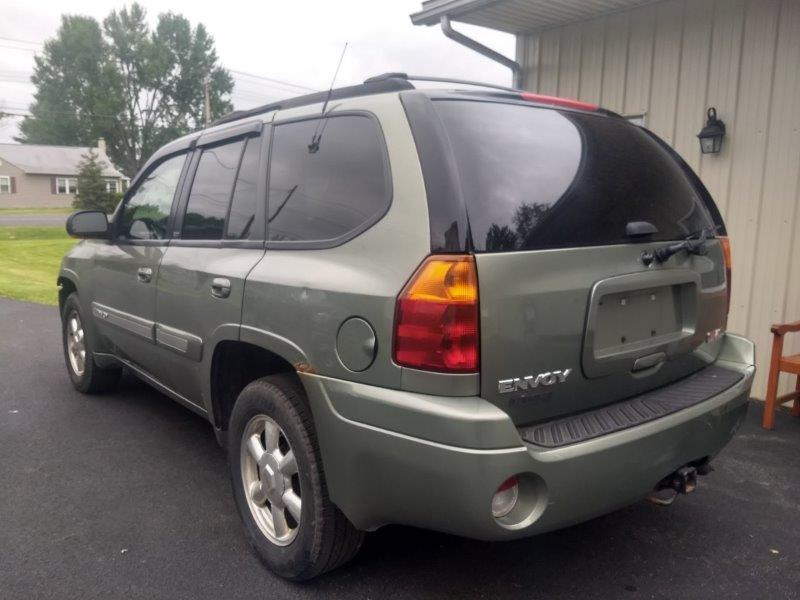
(144, 274)
(221, 287)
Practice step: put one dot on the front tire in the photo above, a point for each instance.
(86, 375)
(279, 485)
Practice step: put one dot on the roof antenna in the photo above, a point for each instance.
(313, 147)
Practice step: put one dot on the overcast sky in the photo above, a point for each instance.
(294, 41)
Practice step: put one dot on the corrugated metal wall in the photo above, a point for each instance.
(673, 59)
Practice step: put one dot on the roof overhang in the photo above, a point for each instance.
(519, 16)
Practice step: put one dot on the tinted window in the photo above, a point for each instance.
(145, 215)
(243, 205)
(536, 178)
(211, 192)
(325, 192)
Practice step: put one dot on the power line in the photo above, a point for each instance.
(244, 73)
(273, 80)
(18, 41)
(21, 112)
(8, 46)
(254, 86)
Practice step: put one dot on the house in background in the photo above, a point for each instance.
(34, 175)
(664, 64)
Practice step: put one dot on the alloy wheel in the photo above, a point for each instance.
(76, 345)
(271, 480)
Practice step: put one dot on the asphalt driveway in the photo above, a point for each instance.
(126, 496)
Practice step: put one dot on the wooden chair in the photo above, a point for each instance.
(778, 364)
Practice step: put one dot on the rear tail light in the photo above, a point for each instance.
(725, 243)
(436, 323)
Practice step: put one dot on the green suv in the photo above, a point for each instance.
(473, 309)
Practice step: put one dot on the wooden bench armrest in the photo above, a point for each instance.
(784, 328)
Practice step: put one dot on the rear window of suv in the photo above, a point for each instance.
(535, 178)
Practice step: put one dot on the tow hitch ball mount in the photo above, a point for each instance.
(682, 481)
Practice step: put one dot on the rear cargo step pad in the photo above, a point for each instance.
(635, 411)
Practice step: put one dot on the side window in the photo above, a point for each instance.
(243, 205)
(145, 214)
(323, 191)
(211, 192)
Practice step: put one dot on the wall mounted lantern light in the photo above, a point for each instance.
(711, 135)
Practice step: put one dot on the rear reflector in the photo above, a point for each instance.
(436, 323)
(505, 498)
(726, 253)
(556, 101)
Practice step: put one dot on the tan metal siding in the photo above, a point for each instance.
(673, 59)
(640, 60)
(591, 76)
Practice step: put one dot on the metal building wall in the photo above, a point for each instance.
(670, 61)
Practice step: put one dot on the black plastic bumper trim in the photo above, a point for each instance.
(652, 405)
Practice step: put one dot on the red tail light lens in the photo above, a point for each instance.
(436, 323)
(726, 253)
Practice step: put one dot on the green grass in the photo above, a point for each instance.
(42, 210)
(29, 262)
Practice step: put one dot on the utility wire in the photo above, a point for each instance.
(8, 46)
(237, 72)
(18, 41)
(273, 80)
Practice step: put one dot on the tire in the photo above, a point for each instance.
(322, 538)
(86, 375)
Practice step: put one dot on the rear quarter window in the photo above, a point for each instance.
(326, 192)
(535, 178)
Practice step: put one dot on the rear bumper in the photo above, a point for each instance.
(435, 462)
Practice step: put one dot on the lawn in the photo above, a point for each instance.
(43, 210)
(29, 262)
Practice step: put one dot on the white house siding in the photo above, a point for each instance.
(671, 60)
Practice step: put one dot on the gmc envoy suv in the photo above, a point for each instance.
(474, 309)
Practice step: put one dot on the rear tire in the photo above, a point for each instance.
(279, 484)
(86, 375)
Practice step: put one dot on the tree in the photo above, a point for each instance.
(138, 88)
(92, 192)
(77, 97)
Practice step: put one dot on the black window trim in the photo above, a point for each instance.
(257, 130)
(369, 223)
(150, 167)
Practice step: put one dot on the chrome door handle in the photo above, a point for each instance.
(144, 274)
(221, 287)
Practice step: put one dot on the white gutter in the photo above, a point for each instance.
(476, 46)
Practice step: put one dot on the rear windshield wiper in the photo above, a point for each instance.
(695, 243)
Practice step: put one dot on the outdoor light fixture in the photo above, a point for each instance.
(711, 135)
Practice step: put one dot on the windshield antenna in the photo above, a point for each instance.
(313, 147)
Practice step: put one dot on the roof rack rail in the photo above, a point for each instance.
(529, 96)
(405, 76)
(378, 86)
(390, 82)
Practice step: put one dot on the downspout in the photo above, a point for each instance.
(516, 69)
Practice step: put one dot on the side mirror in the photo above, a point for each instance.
(88, 224)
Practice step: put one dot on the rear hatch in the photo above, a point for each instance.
(572, 317)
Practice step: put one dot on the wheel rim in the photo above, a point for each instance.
(271, 480)
(76, 346)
